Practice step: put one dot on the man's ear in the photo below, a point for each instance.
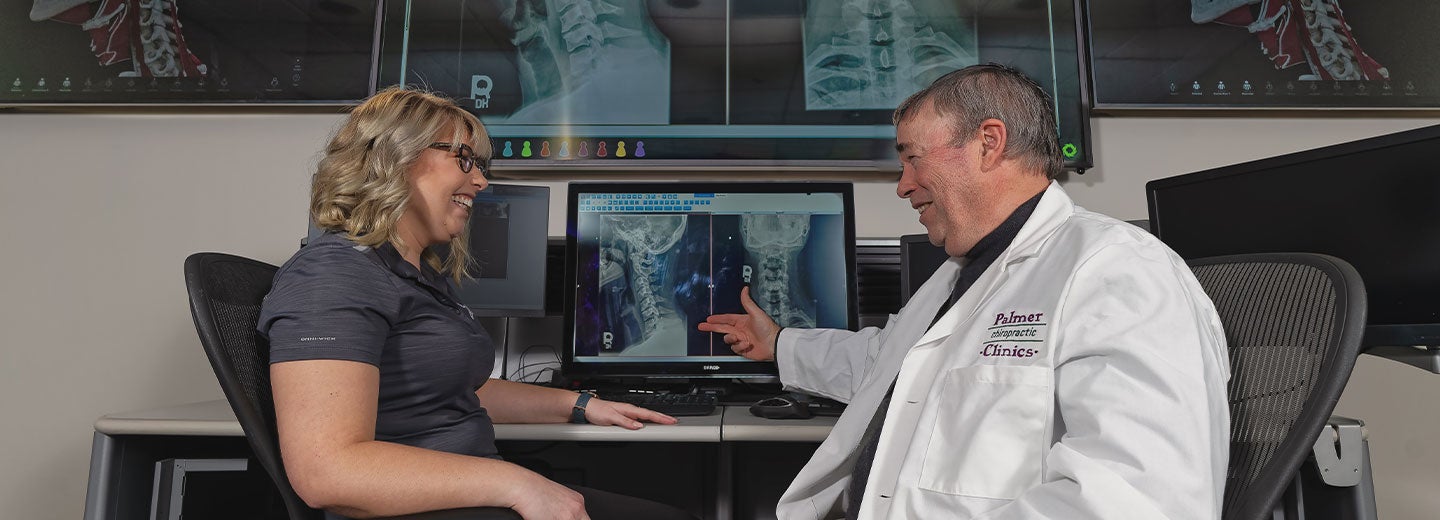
(992, 143)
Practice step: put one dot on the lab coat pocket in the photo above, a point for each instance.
(988, 437)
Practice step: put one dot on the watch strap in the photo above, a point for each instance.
(577, 412)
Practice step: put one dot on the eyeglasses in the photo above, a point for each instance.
(466, 156)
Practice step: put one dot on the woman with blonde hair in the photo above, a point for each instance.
(381, 377)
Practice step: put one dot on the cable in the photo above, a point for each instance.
(523, 374)
(505, 348)
(518, 374)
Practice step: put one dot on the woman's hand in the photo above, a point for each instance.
(624, 415)
(543, 499)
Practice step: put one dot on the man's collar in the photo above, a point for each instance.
(1054, 208)
(1001, 237)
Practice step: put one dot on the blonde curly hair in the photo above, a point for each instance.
(360, 187)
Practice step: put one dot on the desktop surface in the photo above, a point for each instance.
(727, 423)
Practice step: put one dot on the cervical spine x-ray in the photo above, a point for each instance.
(655, 277)
(871, 54)
(579, 61)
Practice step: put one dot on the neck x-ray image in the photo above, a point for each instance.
(646, 280)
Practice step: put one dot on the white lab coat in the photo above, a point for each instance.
(1082, 376)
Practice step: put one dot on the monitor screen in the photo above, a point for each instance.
(508, 246)
(1370, 202)
(1275, 54)
(649, 261)
(508, 226)
(61, 52)
(718, 84)
(918, 260)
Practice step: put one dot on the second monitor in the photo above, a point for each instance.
(647, 262)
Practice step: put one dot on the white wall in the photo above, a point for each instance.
(99, 211)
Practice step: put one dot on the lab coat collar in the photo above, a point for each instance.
(1054, 208)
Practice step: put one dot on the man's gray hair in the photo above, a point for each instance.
(973, 94)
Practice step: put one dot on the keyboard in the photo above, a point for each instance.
(668, 404)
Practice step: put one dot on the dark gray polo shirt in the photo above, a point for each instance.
(337, 300)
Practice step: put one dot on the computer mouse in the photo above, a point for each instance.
(780, 407)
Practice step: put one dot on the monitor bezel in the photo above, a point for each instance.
(738, 369)
(1376, 334)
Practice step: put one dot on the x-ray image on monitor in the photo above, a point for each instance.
(649, 266)
(873, 54)
(651, 269)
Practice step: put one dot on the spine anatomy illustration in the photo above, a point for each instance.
(871, 54)
(145, 33)
(1295, 32)
(579, 59)
(774, 243)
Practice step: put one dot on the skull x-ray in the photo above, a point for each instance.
(871, 54)
(656, 277)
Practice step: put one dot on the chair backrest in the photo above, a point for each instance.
(225, 296)
(1293, 322)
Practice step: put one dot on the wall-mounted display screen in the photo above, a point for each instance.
(1264, 54)
(632, 83)
(208, 51)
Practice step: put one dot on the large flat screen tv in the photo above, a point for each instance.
(1265, 54)
(1370, 202)
(118, 52)
(636, 86)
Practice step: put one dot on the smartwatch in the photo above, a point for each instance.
(577, 412)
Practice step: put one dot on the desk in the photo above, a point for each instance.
(127, 445)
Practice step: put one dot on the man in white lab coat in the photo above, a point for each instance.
(1062, 364)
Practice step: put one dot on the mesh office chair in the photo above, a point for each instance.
(225, 296)
(1293, 322)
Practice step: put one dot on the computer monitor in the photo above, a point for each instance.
(508, 225)
(647, 262)
(508, 234)
(1372, 203)
(756, 85)
(918, 260)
